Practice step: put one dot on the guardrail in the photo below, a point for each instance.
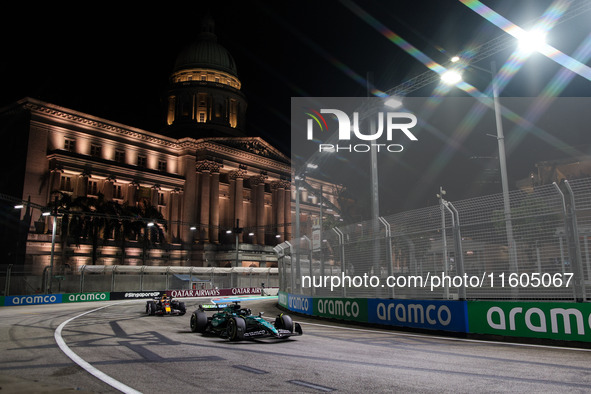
(113, 278)
(41, 299)
(555, 321)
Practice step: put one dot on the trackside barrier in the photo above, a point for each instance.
(220, 292)
(40, 299)
(550, 320)
(546, 320)
(424, 314)
(36, 299)
(85, 297)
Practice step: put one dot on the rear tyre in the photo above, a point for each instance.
(182, 308)
(284, 322)
(298, 328)
(198, 321)
(236, 328)
(150, 308)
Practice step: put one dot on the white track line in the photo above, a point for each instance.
(126, 389)
(89, 368)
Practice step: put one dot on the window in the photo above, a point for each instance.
(161, 199)
(141, 161)
(92, 188)
(120, 156)
(204, 77)
(66, 183)
(201, 117)
(95, 150)
(162, 165)
(70, 145)
(117, 193)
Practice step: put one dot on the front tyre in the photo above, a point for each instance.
(198, 321)
(236, 328)
(284, 322)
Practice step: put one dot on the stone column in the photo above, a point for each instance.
(81, 185)
(132, 194)
(278, 207)
(258, 193)
(108, 189)
(214, 205)
(204, 168)
(287, 210)
(54, 184)
(238, 177)
(283, 188)
(154, 196)
(174, 215)
(189, 199)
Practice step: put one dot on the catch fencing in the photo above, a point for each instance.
(113, 278)
(471, 249)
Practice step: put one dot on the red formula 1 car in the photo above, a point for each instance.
(165, 306)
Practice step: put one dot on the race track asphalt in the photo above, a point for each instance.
(152, 354)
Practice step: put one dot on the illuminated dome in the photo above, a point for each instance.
(204, 96)
(206, 53)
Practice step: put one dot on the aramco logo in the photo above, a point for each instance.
(389, 122)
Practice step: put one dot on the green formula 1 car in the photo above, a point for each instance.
(237, 323)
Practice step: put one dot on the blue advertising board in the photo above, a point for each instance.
(34, 299)
(299, 303)
(429, 314)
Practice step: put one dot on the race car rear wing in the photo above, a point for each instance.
(216, 307)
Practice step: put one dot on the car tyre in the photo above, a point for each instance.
(236, 328)
(284, 322)
(182, 308)
(150, 308)
(198, 321)
(298, 328)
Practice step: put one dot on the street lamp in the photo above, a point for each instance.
(532, 41)
(447, 77)
(53, 214)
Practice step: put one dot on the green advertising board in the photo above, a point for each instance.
(86, 297)
(1, 300)
(552, 320)
(282, 298)
(341, 308)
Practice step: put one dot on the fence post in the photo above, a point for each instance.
(574, 247)
(457, 247)
(167, 270)
(142, 277)
(113, 272)
(291, 264)
(342, 253)
(7, 282)
(82, 278)
(310, 260)
(279, 250)
(389, 259)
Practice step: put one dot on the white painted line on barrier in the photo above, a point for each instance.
(84, 364)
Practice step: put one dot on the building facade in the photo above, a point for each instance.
(214, 187)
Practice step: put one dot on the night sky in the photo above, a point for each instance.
(114, 63)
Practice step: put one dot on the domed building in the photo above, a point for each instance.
(209, 186)
(204, 98)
